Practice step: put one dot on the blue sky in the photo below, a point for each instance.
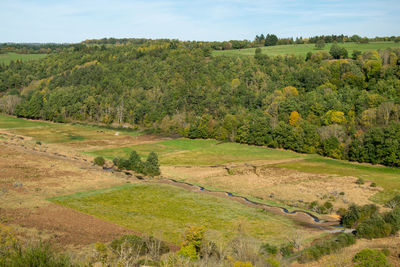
(78, 20)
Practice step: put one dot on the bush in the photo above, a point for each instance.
(267, 249)
(326, 247)
(287, 250)
(188, 251)
(39, 254)
(150, 167)
(374, 227)
(372, 185)
(39, 143)
(130, 241)
(360, 181)
(370, 258)
(393, 218)
(99, 161)
(394, 202)
(357, 214)
(141, 245)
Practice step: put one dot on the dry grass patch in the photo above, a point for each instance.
(277, 184)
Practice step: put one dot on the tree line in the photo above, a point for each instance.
(340, 108)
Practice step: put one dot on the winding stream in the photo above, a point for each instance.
(315, 218)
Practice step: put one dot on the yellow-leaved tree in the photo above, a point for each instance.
(294, 118)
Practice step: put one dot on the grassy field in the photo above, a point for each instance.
(59, 133)
(8, 122)
(198, 152)
(8, 57)
(303, 49)
(186, 152)
(155, 208)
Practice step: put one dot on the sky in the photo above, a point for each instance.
(66, 21)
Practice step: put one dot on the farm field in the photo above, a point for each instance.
(303, 49)
(8, 57)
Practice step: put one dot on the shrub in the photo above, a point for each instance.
(99, 161)
(38, 254)
(130, 241)
(393, 218)
(116, 161)
(150, 167)
(188, 251)
(374, 227)
(370, 258)
(394, 202)
(372, 185)
(287, 250)
(39, 143)
(326, 247)
(242, 264)
(360, 181)
(267, 249)
(357, 214)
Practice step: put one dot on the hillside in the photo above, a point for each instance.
(345, 109)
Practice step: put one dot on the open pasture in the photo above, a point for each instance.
(303, 49)
(8, 122)
(289, 177)
(8, 57)
(198, 152)
(165, 209)
(73, 135)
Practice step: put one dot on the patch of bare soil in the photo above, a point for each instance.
(67, 226)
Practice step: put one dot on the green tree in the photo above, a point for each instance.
(338, 52)
(151, 166)
(271, 40)
(320, 44)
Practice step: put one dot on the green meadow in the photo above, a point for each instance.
(9, 122)
(191, 152)
(182, 152)
(303, 49)
(168, 210)
(8, 57)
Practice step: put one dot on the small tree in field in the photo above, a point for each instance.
(151, 166)
(99, 161)
(320, 44)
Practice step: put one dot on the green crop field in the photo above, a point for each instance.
(8, 57)
(158, 208)
(198, 152)
(303, 49)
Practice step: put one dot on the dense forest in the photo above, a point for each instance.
(345, 108)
